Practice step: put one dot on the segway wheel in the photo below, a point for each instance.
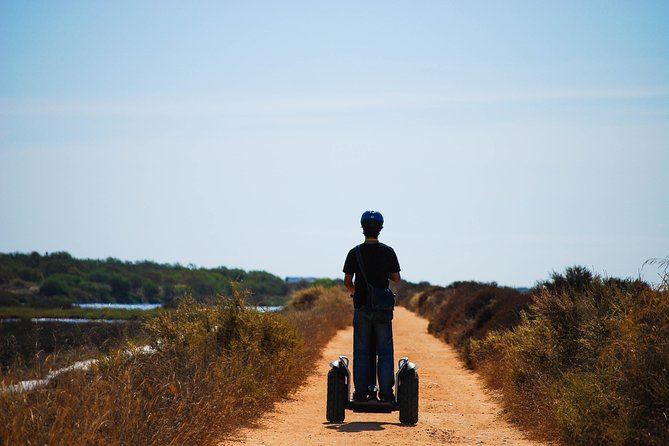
(337, 395)
(408, 397)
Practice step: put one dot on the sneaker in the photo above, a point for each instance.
(359, 398)
(386, 398)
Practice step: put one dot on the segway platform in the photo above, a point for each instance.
(372, 406)
(339, 393)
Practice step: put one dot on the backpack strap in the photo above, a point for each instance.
(361, 264)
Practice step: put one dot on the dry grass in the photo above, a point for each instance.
(583, 359)
(467, 310)
(592, 363)
(330, 310)
(214, 369)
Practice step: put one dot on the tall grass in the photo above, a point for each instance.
(588, 363)
(213, 368)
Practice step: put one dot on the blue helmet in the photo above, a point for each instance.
(373, 217)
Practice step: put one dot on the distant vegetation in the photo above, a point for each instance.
(215, 368)
(465, 310)
(58, 280)
(581, 358)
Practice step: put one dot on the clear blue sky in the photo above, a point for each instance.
(501, 140)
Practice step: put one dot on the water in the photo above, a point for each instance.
(121, 306)
(75, 321)
(263, 309)
(66, 320)
(269, 308)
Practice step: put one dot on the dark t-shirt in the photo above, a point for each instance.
(380, 261)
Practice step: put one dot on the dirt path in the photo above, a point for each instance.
(454, 408)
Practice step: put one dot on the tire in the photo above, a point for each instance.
(408, 397)
(337, 395)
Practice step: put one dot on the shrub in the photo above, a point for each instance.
(8, 298)
(150, 290)
(328, 283)
(264, 283)
(213, 369)
(30, 275)
(575, 278)
(92, 291)
(52, 302)
(595, 357)
(120, 286)
(55, 286)
(467, 310)
(306, 298)
(57, 263)
(328, 310)
(5, 275)
(227, 361)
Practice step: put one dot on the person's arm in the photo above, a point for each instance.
(348, 283)
(394, 266)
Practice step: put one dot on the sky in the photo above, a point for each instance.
(502, 141)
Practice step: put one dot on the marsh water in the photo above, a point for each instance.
(121, 306)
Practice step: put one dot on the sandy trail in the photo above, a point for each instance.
(454, 408)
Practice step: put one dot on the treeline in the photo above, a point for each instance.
(579, 358)
(58, 279)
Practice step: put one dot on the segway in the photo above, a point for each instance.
(339, 393)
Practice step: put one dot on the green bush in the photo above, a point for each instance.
(8, 299)
(5, 275)
(150, 290)
(120, 286)
(55, 286)
(575, 278)
(328, 283)
(30, 275)
(264, 283)
(100, 275)
(57, 263)
(93, 292)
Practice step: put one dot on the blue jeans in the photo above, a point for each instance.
(364, 330)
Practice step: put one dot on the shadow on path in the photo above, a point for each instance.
(359, 426)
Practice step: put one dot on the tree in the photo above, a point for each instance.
(55, 286)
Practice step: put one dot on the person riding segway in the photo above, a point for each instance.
(372, 264)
